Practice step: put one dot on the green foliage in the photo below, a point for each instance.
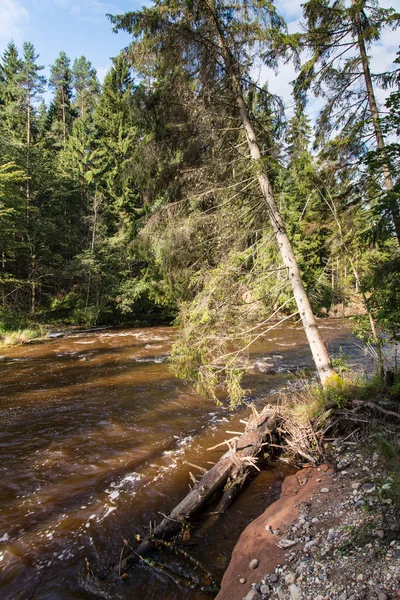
(86, 84)
(340, 362)
(138, 201)
(382, 285)
(60, 114)
(230, 311)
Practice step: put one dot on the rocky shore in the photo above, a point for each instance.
(332, 535)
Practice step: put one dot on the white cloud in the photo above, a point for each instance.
(13, 17)
(289, 9)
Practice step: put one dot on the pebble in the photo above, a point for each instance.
(331, 534)
(380, 533)
(290, 578)
(295, 592)
(308, 573)
(281, 593)
(253, 595)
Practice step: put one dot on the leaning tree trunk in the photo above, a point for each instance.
(317, 346)
(380, 142)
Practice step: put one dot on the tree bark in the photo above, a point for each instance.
(230, 465)
(63, 118)
(387, 175)
(317, 346)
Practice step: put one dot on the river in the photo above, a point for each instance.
(95, 438)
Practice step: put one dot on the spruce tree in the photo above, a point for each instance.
(11, 94)
(214, 43)
(306, 213)
(338, 35)
(86, 85)
(60, 110)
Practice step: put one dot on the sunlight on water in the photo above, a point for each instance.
(95, 440)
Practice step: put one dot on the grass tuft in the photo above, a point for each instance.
(20, 336)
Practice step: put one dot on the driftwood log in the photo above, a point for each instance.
(232, 467)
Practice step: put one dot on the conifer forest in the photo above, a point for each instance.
(181, 190)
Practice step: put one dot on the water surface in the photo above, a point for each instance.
(95, 438)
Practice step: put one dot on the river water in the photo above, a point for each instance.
(95, 438)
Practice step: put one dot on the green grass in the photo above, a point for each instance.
(19, 336)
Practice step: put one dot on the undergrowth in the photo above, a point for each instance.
(310, 400)
(350, 408)
(19, 336)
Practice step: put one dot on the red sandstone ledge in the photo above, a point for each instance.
(258, 542)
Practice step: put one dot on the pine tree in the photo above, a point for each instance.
(116, 137)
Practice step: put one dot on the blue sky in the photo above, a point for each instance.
(80, 27)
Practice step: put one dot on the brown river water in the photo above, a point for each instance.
(95, 436)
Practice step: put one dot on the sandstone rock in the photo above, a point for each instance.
(324, 490)
(253, 564)
(382, 596)
(242, 580)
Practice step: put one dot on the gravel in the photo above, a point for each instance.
(346, 539)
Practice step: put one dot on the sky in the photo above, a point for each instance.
(80, 27)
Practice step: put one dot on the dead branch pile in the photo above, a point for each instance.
(306, 440)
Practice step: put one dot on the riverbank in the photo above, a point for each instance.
(332, 535)
(22, 337)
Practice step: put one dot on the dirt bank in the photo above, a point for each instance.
(332, 535)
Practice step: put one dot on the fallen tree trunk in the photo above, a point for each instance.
(239, 458)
